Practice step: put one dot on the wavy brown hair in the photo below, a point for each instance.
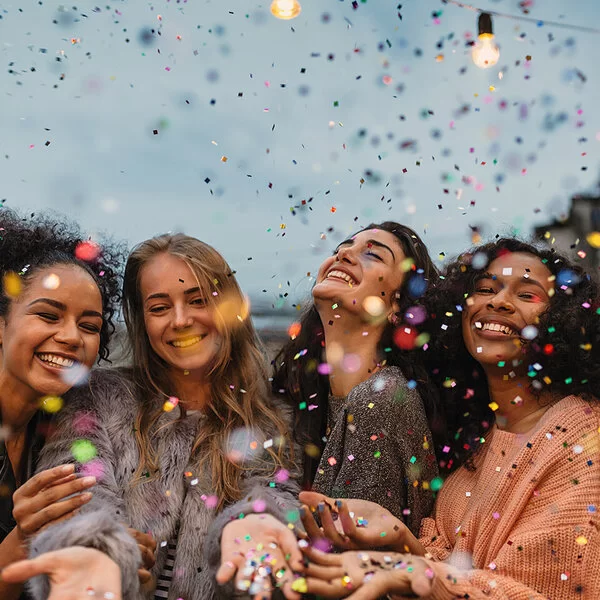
(238, 379)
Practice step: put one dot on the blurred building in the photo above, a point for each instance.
(569, 235)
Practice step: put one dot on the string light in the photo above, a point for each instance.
(485, 53)
(285, 9)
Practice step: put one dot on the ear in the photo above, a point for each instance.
(394, 308)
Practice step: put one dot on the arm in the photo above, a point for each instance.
(383, 457)
(96, 414)
(11, 550)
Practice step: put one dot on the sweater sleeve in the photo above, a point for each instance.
(386, 456)
(567, 570)
(84, 434)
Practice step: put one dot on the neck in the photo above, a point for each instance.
(193, 389)
(17, 404)
(518, 409)
(348, 335)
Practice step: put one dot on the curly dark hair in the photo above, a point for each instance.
(28, 244)
(298, 381)
(563, 358)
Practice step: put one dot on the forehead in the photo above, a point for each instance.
(166, 271)
(379, 235)
(70, 284)
(519, 265)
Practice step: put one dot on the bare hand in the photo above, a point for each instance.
(44, 499)
(366, 576)
(265, 555)
(147, 545)
(351, 524)
(75, 573)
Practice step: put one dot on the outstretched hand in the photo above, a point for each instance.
(75, 573)
(351, 524)
(366, 576)
(263, 554)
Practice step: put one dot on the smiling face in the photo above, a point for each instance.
(511, 295)
(179, 323)
(367, 266)
(50, 330)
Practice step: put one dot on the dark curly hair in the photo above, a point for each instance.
(564, 358)
(298, 381)
(28, 244)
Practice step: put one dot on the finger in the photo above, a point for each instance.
(65, 517)
(376, 588)
(325, 573)
(322, 558)
(148, 559)
(226, 571)
(313, 498)
(24, 569)
(142, 538)
(310, 525)
(66, 479)
(329, 528)
(44, 478)
(35, 522)
(54, 494)
(327, 589)
(347, 522)
(422, 582)
(144, 576)
(289, 546)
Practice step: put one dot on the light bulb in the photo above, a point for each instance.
(285, 9)
(485, 53)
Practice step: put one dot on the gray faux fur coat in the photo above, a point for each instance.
(103, 412)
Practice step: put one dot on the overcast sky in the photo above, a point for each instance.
(215, 118)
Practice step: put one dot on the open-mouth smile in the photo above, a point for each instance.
(492, 326)
(336, 274)
(188, 341)
(56, 361)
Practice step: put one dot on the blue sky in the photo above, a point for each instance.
(273, 139)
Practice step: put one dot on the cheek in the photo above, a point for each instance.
(325, 266)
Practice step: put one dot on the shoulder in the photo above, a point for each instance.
(386, 392)
(106, 390)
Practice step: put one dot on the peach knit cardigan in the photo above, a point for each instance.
(524, 525)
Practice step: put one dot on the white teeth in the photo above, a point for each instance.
(495, 327)
(341, 275)
(58, 361)
(185, 343)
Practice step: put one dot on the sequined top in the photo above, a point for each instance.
(379, 447)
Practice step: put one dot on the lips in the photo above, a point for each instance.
(188, 341)
(342, 275)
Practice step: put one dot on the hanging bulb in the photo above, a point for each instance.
(485, 53)
(285, 9)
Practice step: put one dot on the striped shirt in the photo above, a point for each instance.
(166, 576)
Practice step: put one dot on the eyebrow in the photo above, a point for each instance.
(523, 279)
(372, 242)
(165, 295)
(63, 307)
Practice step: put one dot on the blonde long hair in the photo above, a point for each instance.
(238, 379)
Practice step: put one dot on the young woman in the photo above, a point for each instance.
(355, 378)
(184, 445)
(56, 316)
(518, 516)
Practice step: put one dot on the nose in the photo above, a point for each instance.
(69, 334)
(181, 317)
(501, 302)
(346, 255)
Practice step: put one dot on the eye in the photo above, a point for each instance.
(198, 302)
(158, 309)
(483, 289)
(90, 327)
(528, 296)
(48, 316)
(376, 256)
